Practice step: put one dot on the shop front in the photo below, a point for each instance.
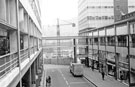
(123, 68)
(132, 70)
(90, 59)
(102, 61)
(111, 65)
(95, 62)
(124, 72)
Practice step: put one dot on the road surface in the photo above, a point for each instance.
(61, 77)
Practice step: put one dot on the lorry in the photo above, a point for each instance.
(76, 69)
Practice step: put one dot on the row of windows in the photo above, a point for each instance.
(96, 7)
(121, 41)
(106, 7)
(100, 7)
(100, 17)
(96, 18)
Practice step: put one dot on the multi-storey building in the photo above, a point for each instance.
(20, 43)
(111, 48)
(110, 44)
(97, 13)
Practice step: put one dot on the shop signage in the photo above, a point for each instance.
(3, 32)
(111, 57)
(124, 65)
(82, 55)
(132, 70)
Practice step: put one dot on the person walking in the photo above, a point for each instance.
(46, 81)
(103, 75)
(92, 67)
(49, 80)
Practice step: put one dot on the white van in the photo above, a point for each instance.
(76, 69)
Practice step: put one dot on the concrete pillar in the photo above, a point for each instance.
(75, 56)
(87, 52)
(26, 80)
(34, 44)
(30, 78)
(12, 8)
(25, 23)
(21, 18)
(33, 75)
(8, 11)
(116, 55)
(25, 41)
(31, 45)
(3, 10)
(13, 41)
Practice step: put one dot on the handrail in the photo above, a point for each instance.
(23, 49)
(10, 61)
(7, 54)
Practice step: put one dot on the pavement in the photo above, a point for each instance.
(96, 79)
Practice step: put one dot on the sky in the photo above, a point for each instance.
(62, 9)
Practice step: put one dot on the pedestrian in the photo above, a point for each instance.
(49, 80)
(46, 81)
(121, 76)
(92, 67)
(103, 75)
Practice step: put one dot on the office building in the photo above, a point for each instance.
(97, 13)
(111, 49)
(20, 43)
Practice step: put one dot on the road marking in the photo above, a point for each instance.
(78, 82)
(64, 78)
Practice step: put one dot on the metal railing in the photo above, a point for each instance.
(31, 50)
(8, 62)
(23, 54)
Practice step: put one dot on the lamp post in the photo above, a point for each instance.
(58, 35)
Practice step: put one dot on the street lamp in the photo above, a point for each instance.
(58, 35)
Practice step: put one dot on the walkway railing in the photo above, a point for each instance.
(8, 62)
(24, 54)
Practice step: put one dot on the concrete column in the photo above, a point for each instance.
(21, 18)
(3, 10)
(8, 11)
(31, 45)
(116, 55)
(12, 8)
(33, 75)
(34, 44)
(87, 52)
(75, 56)
(25, 41)
(37, 64)
(13, 41)
(25, 23)
(26, 80)
(30, 77)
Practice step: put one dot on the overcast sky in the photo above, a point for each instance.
(62, 9)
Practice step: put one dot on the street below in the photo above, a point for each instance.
(61, 77)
